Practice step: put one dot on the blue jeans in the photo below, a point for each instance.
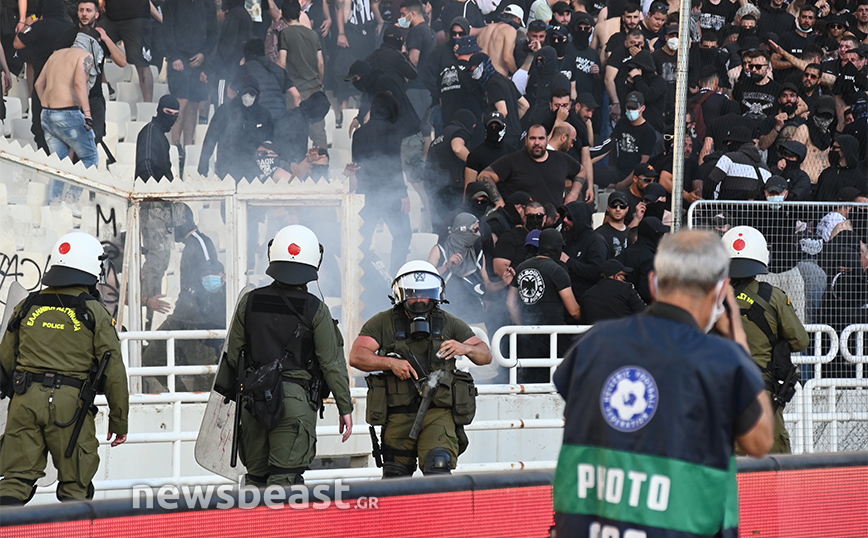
(65, 131)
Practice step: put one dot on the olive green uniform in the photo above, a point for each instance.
(54, 340)
(292, 444)
(786, 324)
(402, 397)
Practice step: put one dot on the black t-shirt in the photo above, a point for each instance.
(610, 299)
(795, 44)
(585, 81)
(500, 88)
(469, 10)
(42, 38)
(543, 181)
(714, 17)
(567, 63)
(616, 240)
(631, 142)
(619, 58)
(510, 246)
(486, 153)
(756, 101)
(455, 94)
(539, 281)
(421, 38)
(667, 68)
(119, 10)
(446, 169)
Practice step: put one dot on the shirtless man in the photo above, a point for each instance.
(604, 30)
(63, 89)
(817, 130)
(498, 41)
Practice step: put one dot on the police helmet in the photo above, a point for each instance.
(418, 280)
(294, 255)
(76, 259)
(748, 252)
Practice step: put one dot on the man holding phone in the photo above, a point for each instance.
(662, 411)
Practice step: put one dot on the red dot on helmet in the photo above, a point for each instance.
(294, 249)
(738, 245)
(64, 248)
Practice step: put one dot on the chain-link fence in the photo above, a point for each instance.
(818, 256)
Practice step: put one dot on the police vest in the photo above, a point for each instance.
(423, 350)
(278, 324)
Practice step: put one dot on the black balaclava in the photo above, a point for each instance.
(165, 121)
(551, 244)
(655, 209)
(534, 222)
(494, 132)
(477, 207)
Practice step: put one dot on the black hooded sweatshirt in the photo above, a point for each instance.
(835, 178)
(377, 150)
(441, 57)
(237, 131)
(235, 30)
(640, 257)
(586, 248)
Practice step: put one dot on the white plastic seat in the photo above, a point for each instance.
(201, 131)
(160, 89)
(20, 90)
(175, 157)
(111, 136)
(119, 112)
(421, 245)
(145, 111)
(122, 170)
(21, 130)
(129, 92)
(115, 74)
(598, 219)
(13, 112)
(126, 153)
(191, 162)
(133, 128)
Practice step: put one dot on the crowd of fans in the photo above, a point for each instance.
(509, 120)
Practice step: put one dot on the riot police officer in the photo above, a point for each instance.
(769, 320)
(53, 345)
(413, 343)
(289, 346)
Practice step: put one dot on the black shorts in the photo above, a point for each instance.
(136, 35)
(186, 84)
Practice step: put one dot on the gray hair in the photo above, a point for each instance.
(748, 9)
(691, 261)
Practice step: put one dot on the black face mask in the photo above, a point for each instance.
(357, 84)
(494, 133)
(165, 121)
(792, 165)
(477, 207)
(745, 32)
(834, 159)
(560, 48)
(581, 38)
(534, 222)
(512, 23)
(655, 210)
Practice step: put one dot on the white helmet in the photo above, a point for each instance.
(76, 259)
(748, 252)
(418, 280)
(295, 255)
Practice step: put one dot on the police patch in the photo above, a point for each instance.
(629, 399)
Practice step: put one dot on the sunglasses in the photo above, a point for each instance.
(784, 153)
(755, 67)
(618, 205)
(646, 179)
(811, 76)
(835, 26)
(458, 34)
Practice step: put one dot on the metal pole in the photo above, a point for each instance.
(680, 113)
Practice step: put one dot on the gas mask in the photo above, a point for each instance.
(672, 43)
(248, 99)
(419, 327)
(494, 132)
(632, 115)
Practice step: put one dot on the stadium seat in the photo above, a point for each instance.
(111, 137)
(133, 128)
(129, 92)
(114, 74)
(421, 245)
(21, 130)
(201, 131)
(174, 156)
(13, 112)
(19, 89)
(598, 219)
(3, 196)
(160, 89)
(119, 112)
(57, 217)
(145, 111)
(126, 153)
(37, 193)
(191, 164)
(122, 170)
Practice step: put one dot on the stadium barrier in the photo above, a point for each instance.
(806, 496)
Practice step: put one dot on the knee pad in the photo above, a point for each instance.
(437, 461)
(255, 481)
(88, 495)
(393, 469)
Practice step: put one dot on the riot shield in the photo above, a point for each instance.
(16, 294)
(214, 443)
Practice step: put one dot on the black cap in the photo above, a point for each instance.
(587, 100)
(519, 198)
(645, 170)
(776, 185)
(635, 100)
(612, 267)
(360, 68)
(495, 117)
(653, 192)
(825, 103)
(393, 35)
(788, 86)
(795, 147)
(861, 50)
(672, 29)
(467, 45)
(848, 194)
(618, 196)
(558, 30)
(477, 189)
(739, 134)
(562, 7)
(837, 19)
(580, 17)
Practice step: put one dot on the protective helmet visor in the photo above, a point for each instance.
(418, 285)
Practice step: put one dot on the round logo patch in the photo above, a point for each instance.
(64, 248)
(294, 249)
(629, 399)
(531, 286)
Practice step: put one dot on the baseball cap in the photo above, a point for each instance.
(519, 198)
(588, 100)
(477, 189)
(645, 170)
(515, 11)
(532, 238)
(618, 197)
(613, 267)
(739, 134)
(653, 191)
(495, 116)
(635, 100)
(467, 45)
(825, 103)
(776, 185)
(360, 68)
(580, 17)
(861, 50)
(558, 30)
(672, 29)
(562, 7)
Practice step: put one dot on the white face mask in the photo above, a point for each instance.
(248, 99)
(718, 309)
(672, 43)
(404, 22)
(477, 73)
(775, 198)
(632, 115)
